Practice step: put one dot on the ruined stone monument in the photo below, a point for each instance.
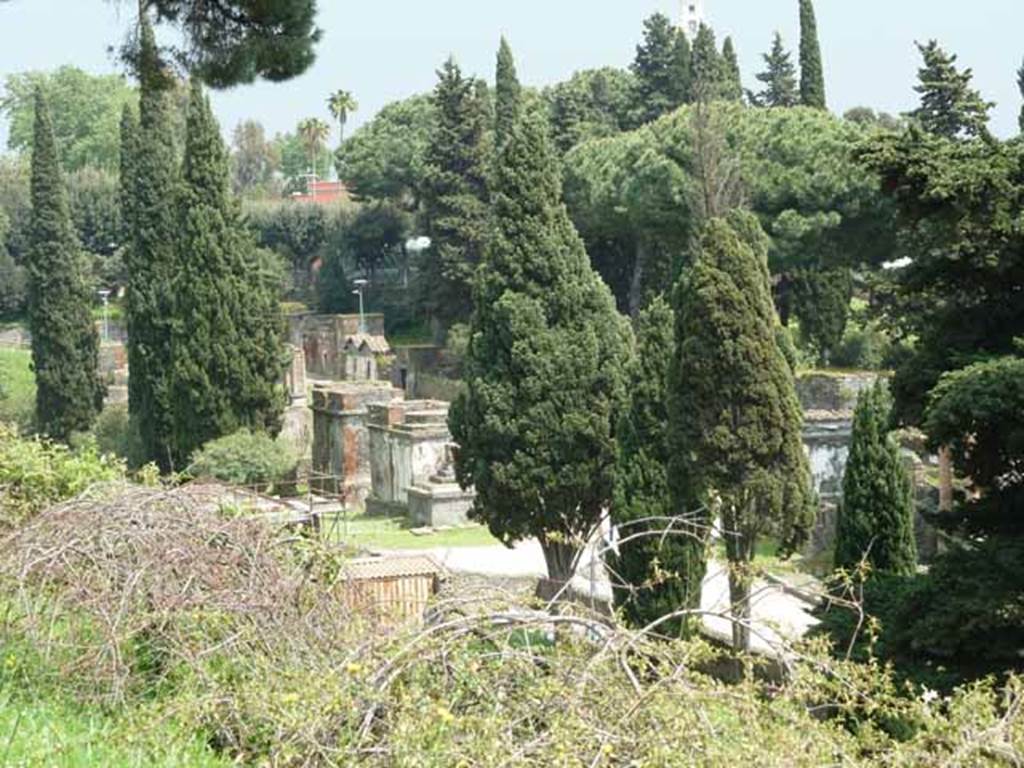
(341, 445)
(297, 420)
(410, 463)
(327, 341)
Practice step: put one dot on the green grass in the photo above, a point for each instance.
(393, 533)
(766, 558)
(47, 733)
(17, 386)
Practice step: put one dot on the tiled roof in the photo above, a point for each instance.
(391, 568)
(376, 344)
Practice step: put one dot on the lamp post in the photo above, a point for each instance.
(105, 296)
(360, 285)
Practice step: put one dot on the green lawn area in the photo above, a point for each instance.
(393, 533)
(17, 386)
(45, 733)
(767, 559)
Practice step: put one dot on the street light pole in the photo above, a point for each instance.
(360, 284)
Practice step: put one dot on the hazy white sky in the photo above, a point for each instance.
(383, 50)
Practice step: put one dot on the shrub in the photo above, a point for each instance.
(35, 473)
(17, 388)
(115, 433)
(244, 458)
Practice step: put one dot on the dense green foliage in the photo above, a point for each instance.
(591, 104)
(812, 73)
(709, 79)
(35, 473)
(545, 372)
(655, 556)
(226, 363)
(821, 302)
(455, 199)
(978, 412)
(779, 78)
(959, 295)
(65, 345)
(13, 289)
(949, 106)
(254, 159)
(236, 41)
(249, 459)
(732, 82)
(660, 69)
(735, 420)
(876, 517)
(151, 259)
(85, 109)
(386, 157)
(507, 95)
(17, 389)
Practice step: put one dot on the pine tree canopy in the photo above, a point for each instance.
(779, 78)
(546, 367)
(455, 197)
(812, 73)
(231, 42)
(65, 345)
(655, 573)
(949, 106)
(876, 518)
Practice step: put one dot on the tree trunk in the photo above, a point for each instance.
(636, 283)
(739, 548)
(560, 558)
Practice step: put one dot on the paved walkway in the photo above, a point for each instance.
(777, 615)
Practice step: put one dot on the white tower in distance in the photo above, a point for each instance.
(691, 16)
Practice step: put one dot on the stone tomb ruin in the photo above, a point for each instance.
(411, 464)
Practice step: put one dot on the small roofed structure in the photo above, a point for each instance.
(362, 353)
(392, 589)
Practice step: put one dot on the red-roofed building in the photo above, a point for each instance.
(323, 192)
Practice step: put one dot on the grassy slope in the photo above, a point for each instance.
(17, 386)
(393, 533)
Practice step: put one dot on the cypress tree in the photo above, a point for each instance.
(128, 172)
(65, 346)
(732, 83)
(455, 198)
(150, 261)
(1020, 87)
(812, 74)
(507, 94)
(876, 518)
(735, 419)
(546, 366)
(779, 78)
(706, 67)
(657, 70)
(651, 569)
(950, 107)
(681, 75)
(226, 352)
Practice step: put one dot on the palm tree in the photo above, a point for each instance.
(342, 104)
(314, 132)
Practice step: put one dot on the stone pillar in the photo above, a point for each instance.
(341, 453)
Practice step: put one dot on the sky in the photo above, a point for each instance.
(383, 50)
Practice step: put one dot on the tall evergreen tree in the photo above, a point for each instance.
(150, 261)
(779, 78)
(1020, 87)
(65, 346)
(657, 68)
(455, 198)
(949, 106)
(732, 81)
(546, 366)
(707, 70)
(735, 419)
(226, 352)
(812, 73)
(507, 94)
(682, 75)
(128, 174)
(657, 552)
(876, 518)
